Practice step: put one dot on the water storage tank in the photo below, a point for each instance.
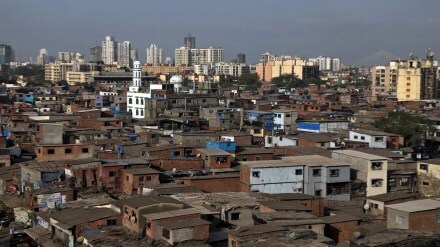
(177, 81)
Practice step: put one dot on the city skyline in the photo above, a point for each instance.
(351, 31)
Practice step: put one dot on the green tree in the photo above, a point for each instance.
(251, 81)
(411, 128)
(288, 81)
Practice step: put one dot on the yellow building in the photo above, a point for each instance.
(302, 68)
(384, 80)
(416, 80)
(56, 72)
(75, 77)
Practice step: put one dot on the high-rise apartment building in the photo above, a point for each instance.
(109, 50)
(6, 54)
(186, 56)
(190, 41)
(42, 57)
(182, 56)
(233, 69)
(384, 80)
(96, 54)
(287, 66)
(417, 80)
(124, 54)
(154, 55)
(133, 56)
(327, 63)
(241, 58)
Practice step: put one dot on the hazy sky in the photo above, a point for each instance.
(349, 29)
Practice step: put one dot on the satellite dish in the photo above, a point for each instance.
(357, 234)
(366, 206)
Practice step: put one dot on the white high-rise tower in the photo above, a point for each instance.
(109, 50)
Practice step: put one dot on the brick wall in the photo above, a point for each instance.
(424, 221)
(342, 231)
(179, 164)
(245, 173)
(212, 185)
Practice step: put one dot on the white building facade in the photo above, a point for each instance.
(136, 100)
(154, 55)
(109, 50)
(124, 54)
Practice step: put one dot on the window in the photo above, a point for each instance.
(287, 115)
(130, 100)
(362, 137)
(111, 222)
(355, 137)
(142, 101)
(148, 178)
(111, 174)
(374, 205)
(165, 233)
(437, 219)
(392, 182)
(376, 182)
(318, 192)
(244, 159)
(404, 181)
(68, 151)
(51, 151)
(424, 167)
(256, 174)
(269, 140)
(141, 178)
(206, 158)
(322, 144)
(379, 139)
(127, 178)
(334, 172)
(257, 158)
(376, 166)
(298, 172)
(85, 150)
(234, 243)
(316, 172)
(235, 216)
(425, 183)
(137, 101)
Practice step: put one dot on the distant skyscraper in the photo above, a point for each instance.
(241, 58)
(186, 56)
(154, 55)
(96, 54)
(182, 56)
(266, 57)
(168, 61)
(109, 50)
(133, 56)
(6, 54)
(65, 56)
(189, 41)
(42, 57)
(124, 53)
(327, 63)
